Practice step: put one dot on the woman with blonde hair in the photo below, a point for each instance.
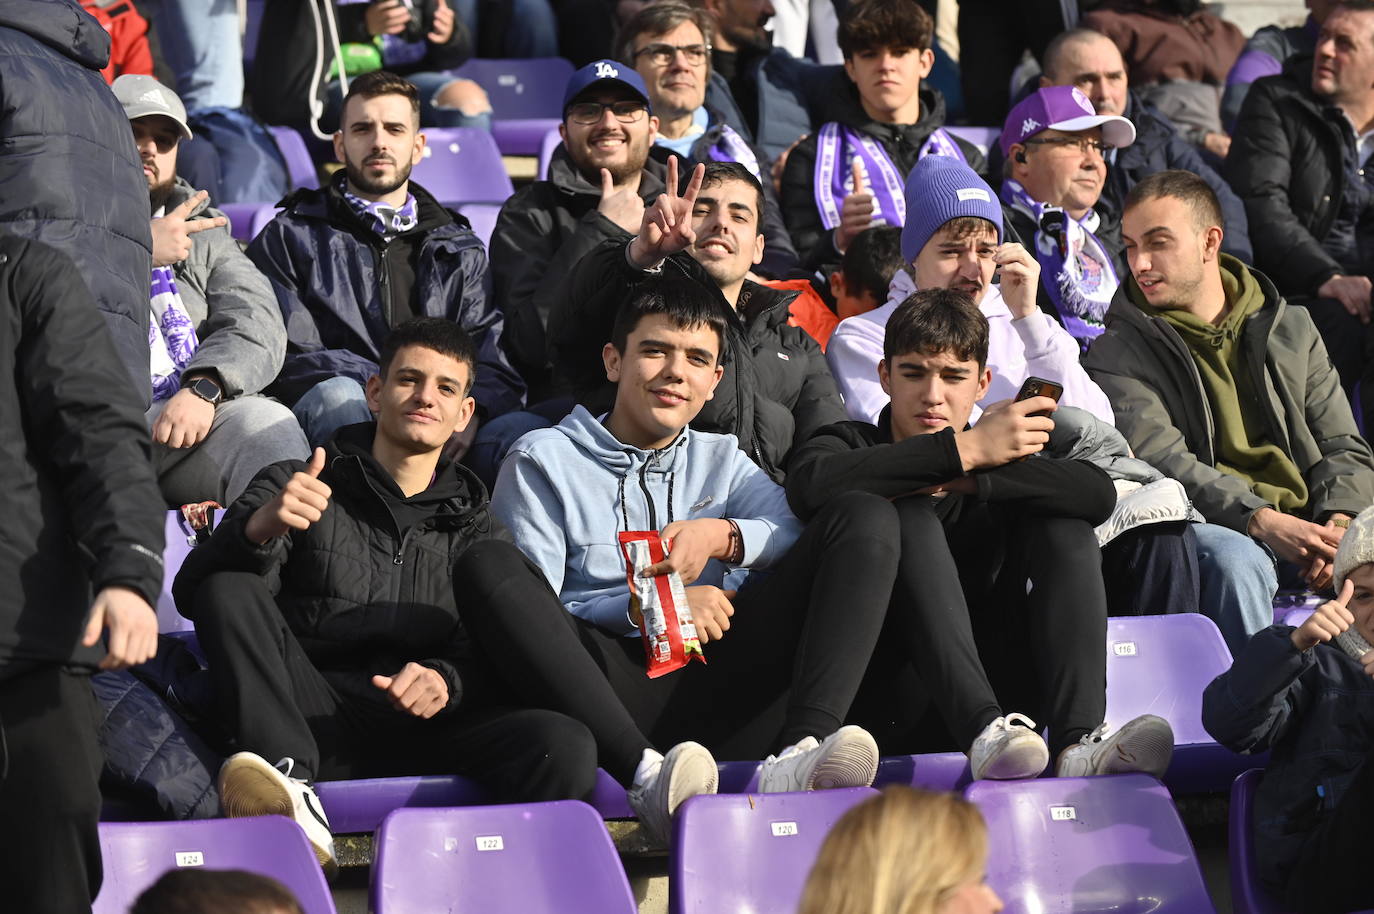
(904, 851)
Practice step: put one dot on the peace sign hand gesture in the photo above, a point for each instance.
(667, 226)
(172, 232)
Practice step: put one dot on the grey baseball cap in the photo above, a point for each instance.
(143, 96)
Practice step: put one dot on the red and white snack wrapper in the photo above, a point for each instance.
(658, 605)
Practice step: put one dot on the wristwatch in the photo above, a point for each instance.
(207, 390)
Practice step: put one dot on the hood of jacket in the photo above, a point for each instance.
(62, 26)
(840, 102)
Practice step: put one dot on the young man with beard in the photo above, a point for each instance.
(218, 339)
(880, 121)
(600, 180)
(364, 615)
(373, 249)
(1223, 386)
(977, 522)
(792, 643)
(777, 389)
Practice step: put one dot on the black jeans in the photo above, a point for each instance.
(1153, 571)
(49, 792)
(962, 612)
(788, 668)
(1329, 877)
(337, 724)
(992, 36)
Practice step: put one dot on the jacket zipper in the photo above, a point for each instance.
(644, 487)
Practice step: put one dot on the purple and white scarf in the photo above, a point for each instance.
(838, 147)
(171, 335)
(386, 220)
(1082, 285)
(731, 147)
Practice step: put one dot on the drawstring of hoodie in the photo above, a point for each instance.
(624, 511)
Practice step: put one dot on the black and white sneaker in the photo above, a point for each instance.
(249, 786)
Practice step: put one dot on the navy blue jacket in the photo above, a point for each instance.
(341, 289)
(1314, 711)
(1158, 147)
(69, 174)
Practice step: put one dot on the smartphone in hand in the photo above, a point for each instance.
(1039, 387)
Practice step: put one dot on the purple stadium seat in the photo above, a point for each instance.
(547, 145)
(1068, 845)
(1247, 895)
(247, 219)
(941, 771)
(136, 854)
(748, 853)
(462, 165)
(526, 98)
(179, 541)
(483, 219)
(982, 137)
(361, 805)
(299, 165)
(498, 860)
(1160, 665)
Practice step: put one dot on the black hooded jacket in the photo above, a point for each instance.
(901, 141)
(359, 592)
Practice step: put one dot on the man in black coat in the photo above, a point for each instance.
(69, 174)
(1092, 62)
(82, 511)
(348, 608)
(1299, 157)
(777, 388)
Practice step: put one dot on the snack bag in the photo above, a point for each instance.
(658, 605)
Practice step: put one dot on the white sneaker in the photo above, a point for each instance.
(249, 786)
(686, 771)
(1144, 744)
(847, 758)
(1008, 749)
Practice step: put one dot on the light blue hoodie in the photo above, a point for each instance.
(567, 492)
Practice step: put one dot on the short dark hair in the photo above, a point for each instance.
(871, 259)
(1050, 59)
(1183, 185)
(443, 336)
(202, 891)
(659, 19)
(938, 320)
(720, 172)
(867, 25)
(682, 300)
(381, 82)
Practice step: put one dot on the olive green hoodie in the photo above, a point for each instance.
(1243, 445)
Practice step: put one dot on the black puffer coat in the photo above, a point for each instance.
(69, 175)
(80, 503)
(1286, 164)
(356, 593)
(777, 388)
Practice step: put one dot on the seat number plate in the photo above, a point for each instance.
(490, 843)
(1062, 813)
(190, 858)
(1124, 648)
(784, 829)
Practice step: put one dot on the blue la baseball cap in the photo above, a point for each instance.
(600, 71)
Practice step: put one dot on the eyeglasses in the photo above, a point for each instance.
(627, 112)
(663, 54)
(1084, 144)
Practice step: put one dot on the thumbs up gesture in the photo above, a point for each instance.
(856, 214)
(300, 503)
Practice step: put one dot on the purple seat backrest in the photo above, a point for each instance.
(1160, 665)
(982, 137)
(358, 806)
(498, 860)
(529, 88)
(246, 219)
(299, 165)
(1111, 843)
(483, 219)
(136, 854)
(738, 853)
(462, 165)
(550, 143)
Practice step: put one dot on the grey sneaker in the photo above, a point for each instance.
(847, 758)
(1008, 749)
(686, 771)
(1145, 744)
(249, 786)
